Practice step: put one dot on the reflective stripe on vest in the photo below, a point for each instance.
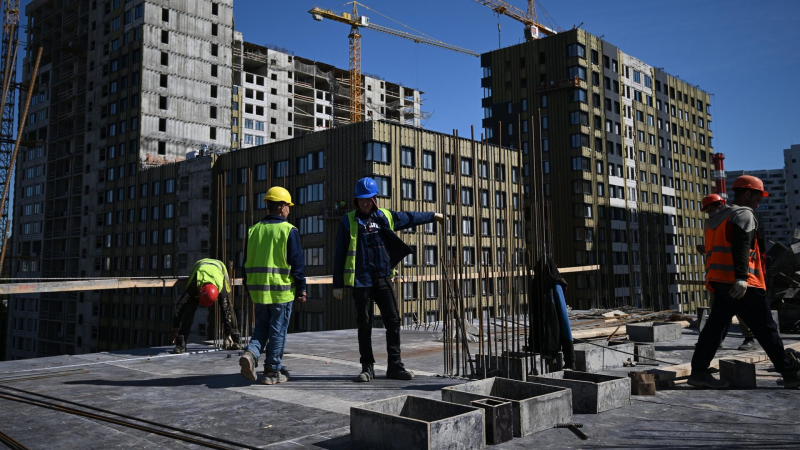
(719, 260)
(269, 278)
(350, 256)
(204, 273)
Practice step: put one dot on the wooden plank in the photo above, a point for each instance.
(684, 370)
(126, 283)
(606, 331)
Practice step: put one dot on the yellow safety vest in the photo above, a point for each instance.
(350, 258)
(269, 278)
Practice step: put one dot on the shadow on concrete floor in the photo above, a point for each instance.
(211, 381)
(337, 443)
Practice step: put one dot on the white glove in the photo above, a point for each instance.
(738, 289)
(438, 217)
(338, 293)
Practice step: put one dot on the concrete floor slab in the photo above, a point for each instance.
(204, 392)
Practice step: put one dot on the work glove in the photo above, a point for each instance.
(228, 344)
(738, 289)
(438, 217)
(302, 297)
(174, 335)
(338, 293)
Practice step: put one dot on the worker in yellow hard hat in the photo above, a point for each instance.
(275, 279)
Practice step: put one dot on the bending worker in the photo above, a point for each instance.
(208, 283)
(717, 210)
(367, 249)
(735, 275)
(274, 270)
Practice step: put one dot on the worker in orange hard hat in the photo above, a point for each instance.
(735, 274)
(714, 205)
(208, 283)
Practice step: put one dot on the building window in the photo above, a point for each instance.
(407, 156)
(384, 186)
(428, 160)
(407, 188)
(377, 152)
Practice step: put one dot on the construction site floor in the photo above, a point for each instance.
(204, 392)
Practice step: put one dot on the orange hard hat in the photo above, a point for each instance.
(208, 295)
(710, 200)
(750, 182)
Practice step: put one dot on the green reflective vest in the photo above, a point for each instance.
(211, 271)
(269, 278)
(350, 258)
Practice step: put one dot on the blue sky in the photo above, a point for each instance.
(746, 53)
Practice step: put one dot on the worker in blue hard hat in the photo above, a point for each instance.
(367, 249)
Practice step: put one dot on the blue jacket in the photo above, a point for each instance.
(294, 254)
(378, 249)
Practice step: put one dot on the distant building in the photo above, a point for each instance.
(791, 167)
(774, 210)
(626, 158)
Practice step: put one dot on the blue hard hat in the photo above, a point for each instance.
(366, 188)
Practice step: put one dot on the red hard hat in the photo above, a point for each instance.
(208, 295)
(710, 200)
(750, 182)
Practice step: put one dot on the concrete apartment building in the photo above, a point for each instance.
(282, 96)
(476, 186)
(626, 158)
(120, 82)
(791, 167)
(774, 211)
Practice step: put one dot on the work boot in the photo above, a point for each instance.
(748, 344)
(791, 378)
(274, 378)
(248, 364)
(366, 375)
(398, 372)
(180, 345)
(285, 373)
(704, 379)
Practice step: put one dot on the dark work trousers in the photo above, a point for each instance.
(755, 310)
(187, 305)
(382, 294)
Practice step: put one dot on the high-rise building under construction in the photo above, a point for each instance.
(129, 85)
(622, 151)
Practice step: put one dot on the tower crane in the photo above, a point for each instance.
(533, 29)
(357, 22)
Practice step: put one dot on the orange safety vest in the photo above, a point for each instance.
(719, 260)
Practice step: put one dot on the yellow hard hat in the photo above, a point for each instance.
(278, 194)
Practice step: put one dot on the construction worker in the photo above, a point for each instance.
(715, 207)
(367, 249)
(735, 275)
(274, 270)
(208, 283)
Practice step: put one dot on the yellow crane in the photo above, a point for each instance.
(533, 29)
(357, 21)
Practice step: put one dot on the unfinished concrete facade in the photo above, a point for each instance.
(285, 96)
(139, 82)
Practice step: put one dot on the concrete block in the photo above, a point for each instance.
(591, 393)
(642, 383)
(740, 374)
(643, 352)
(654, 331)
(499, 420)
(515, 365)
(405, 422)
(594, 358)
(537, 407)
